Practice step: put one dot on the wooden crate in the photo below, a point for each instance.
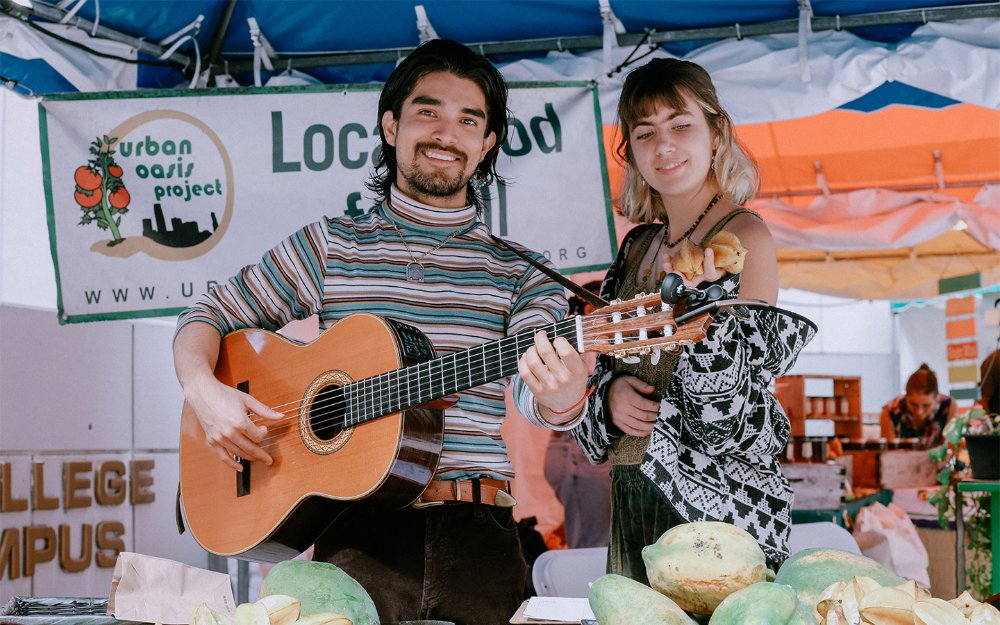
(906, 468)
(817, 486)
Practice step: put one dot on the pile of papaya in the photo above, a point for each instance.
(716, 573)
(699, 573)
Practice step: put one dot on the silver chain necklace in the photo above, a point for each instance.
(414, 270)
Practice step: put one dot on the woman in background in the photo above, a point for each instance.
(919, 413)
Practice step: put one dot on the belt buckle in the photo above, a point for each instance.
(504, 499)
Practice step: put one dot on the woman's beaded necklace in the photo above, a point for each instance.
(687, 233)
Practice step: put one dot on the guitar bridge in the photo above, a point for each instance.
(242, 477)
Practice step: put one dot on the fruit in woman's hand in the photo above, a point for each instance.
(729, 252)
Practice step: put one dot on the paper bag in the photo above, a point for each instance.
(155, 590)
(887, 535)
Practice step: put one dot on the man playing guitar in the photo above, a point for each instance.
(421, 257)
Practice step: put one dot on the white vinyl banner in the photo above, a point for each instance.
(155, 196)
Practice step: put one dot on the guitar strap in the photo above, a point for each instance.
(591, 298)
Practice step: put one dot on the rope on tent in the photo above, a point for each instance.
(612, 28)
(179, 40)
(805, 28)
(104, 55)
(938, 169)
(18, 88)
(424, 27)
(262, 51)
(76, 7)
(629, 59)
(821, 178)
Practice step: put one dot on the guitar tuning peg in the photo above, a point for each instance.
(630, 360)
(656, 357)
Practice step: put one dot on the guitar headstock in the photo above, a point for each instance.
(639, 326)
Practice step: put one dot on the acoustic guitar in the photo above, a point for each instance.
(361, 422)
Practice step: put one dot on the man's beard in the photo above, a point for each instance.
(437, 184)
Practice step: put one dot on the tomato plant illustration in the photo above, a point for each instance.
(100, 191)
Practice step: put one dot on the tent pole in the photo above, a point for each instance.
(220, 33)
(836, 22)
(50, 13)
(929, 187)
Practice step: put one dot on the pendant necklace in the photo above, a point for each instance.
(687, 233)
(414, 270)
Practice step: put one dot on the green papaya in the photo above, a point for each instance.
(618, 600)
(320, 587)
(811, 571)
(700, 564)
(763, 603)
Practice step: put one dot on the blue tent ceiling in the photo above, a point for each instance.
(304, 27)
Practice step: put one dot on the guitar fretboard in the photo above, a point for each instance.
(446, 375)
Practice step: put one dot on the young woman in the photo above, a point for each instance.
(921, 412)
(692, 435)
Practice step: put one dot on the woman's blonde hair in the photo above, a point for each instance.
(665, 81)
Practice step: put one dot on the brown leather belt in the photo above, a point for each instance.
(490, 492)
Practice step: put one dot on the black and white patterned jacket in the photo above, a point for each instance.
(713, 451)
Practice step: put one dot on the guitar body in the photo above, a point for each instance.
(320, 465)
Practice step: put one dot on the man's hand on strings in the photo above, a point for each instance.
(557, 375)
(235, 424)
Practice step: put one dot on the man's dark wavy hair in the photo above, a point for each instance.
(442, 55)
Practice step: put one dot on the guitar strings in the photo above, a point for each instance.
(379, 385)
(378, 389)
(405, 376)
(374, 388)
(321, 409)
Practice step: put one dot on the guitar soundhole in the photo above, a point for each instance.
(326, 414)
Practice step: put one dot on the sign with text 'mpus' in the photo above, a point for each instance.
(155, 196)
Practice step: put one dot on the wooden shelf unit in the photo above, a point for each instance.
(790, 390)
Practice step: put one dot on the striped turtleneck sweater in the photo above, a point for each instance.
(473, 293)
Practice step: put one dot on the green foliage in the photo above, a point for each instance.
(977, 513)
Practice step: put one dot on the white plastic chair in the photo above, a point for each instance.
(822, 534)
(568, 572)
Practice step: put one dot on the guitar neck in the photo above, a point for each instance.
(427, 381)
